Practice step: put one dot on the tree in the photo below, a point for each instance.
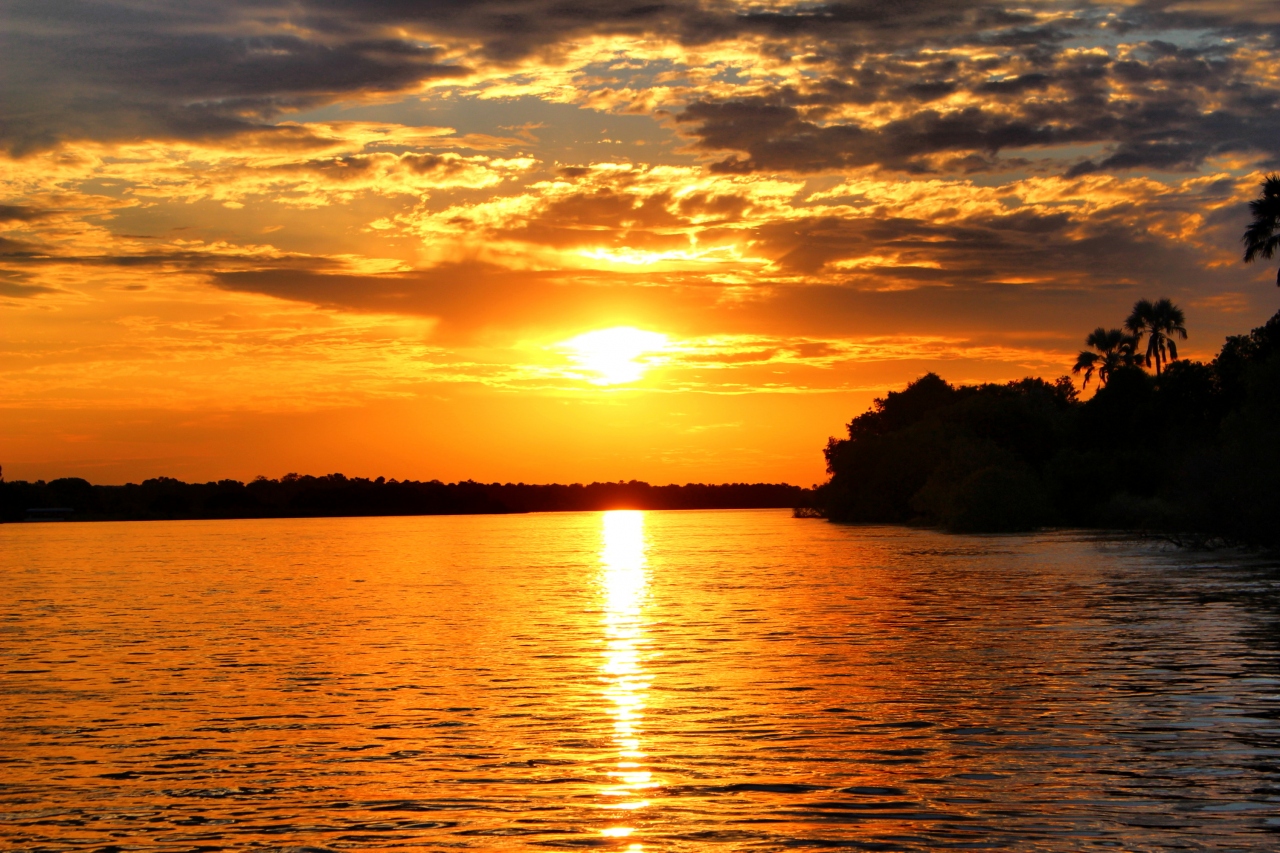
(1160, 321)
(1262, 237)
(1114, 349)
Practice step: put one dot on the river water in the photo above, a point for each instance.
(630, 681)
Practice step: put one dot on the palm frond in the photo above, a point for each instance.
(1169, 318)
(1085, 361)
(1260, 238)
(1139, 320)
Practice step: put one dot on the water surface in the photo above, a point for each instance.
(630, 681)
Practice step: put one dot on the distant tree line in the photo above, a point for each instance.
(337, 495)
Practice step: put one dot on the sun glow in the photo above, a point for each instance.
(639, 257)
(616, 356)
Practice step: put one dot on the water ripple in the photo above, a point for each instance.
(656, 681)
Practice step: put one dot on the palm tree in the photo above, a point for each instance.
(1159, 321)
(1262, 238)
(1114, 349)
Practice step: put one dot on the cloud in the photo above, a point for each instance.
(911, 86)
(612, 242)
(231, 177)
(470, 299)
(122, 72)
(826, 269)
(14, 285)
(691, 253)
(21, 213)
(1151, 105)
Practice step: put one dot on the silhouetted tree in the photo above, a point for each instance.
(1160, 321)
(1262, 237)
(1112, 349)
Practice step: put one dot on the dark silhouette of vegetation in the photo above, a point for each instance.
(1262, 237)
(1112, 349)
(1160, 321)
(336, 495)
(1191, 449)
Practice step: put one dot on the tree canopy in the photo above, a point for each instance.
(1194, 448)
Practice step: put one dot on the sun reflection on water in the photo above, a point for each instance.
(623, 581)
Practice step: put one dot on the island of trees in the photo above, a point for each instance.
(1164, 445)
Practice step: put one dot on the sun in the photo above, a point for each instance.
(616, 356)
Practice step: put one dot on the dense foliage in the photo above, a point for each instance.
(334, 494)
(1194, 449)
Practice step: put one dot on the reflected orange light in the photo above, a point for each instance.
(623, 583)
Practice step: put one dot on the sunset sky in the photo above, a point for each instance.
(592, 240)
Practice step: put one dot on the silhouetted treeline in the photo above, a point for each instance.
(335, 495)
(1195, 449)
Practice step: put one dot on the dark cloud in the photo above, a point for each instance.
(22, 255)
(23, 291)
(11, 249)
(473, 301)
(1165, 108)
(115, 71)
(470, 298)
(14, 284)
(203, 70)
(512, 29)
(1036, 249)
(603, 217)
(776, 137)
(121, 70)
(506, 29)
(1243, 18)
(864, 21)
(21, 213)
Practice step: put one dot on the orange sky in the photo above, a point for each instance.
(251, 238)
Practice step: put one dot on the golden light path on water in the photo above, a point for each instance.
(623, 582)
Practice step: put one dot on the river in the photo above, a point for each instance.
(638, 681)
